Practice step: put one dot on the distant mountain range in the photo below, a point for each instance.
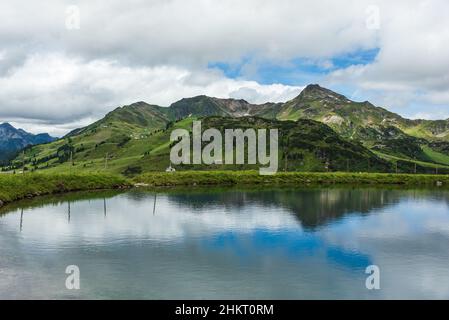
(320, 130)
(12, 140)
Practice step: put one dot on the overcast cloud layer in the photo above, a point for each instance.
(55, 76)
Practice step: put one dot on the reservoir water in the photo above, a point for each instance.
(228, 244)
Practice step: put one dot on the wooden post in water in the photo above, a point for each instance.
(104, 206)
(68, 212)
(154, 206)
(21, 220)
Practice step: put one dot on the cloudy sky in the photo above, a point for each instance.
(64, 64)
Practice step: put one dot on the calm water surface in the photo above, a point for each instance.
(220, 244)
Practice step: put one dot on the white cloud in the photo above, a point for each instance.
(190, 32)
(159, 51)
(412, 64)
(65, 92)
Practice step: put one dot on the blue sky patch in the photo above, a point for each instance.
(298, 71)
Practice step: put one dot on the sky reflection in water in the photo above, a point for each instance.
(283, 244)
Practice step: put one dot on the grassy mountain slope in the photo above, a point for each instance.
(321, 130)
(304, 145)
(307, 145)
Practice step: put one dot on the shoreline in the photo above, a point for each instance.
(235, 178)
(31, 185)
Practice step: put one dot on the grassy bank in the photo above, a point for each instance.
(21, 186)
(16, 187)
(186, 178)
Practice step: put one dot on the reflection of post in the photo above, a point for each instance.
(104, 206)
(154, 206)
(69, 212)
(21, 220)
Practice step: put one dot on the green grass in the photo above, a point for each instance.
(184, 178)
(436, 156)
(20, 186)
(421, 163)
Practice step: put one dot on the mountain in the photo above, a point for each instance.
(338, 134)
(308, 145)
(12, 140)
(126, 148)
(137, 114)
(348, 117)
(207, 106)
(376, 127)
